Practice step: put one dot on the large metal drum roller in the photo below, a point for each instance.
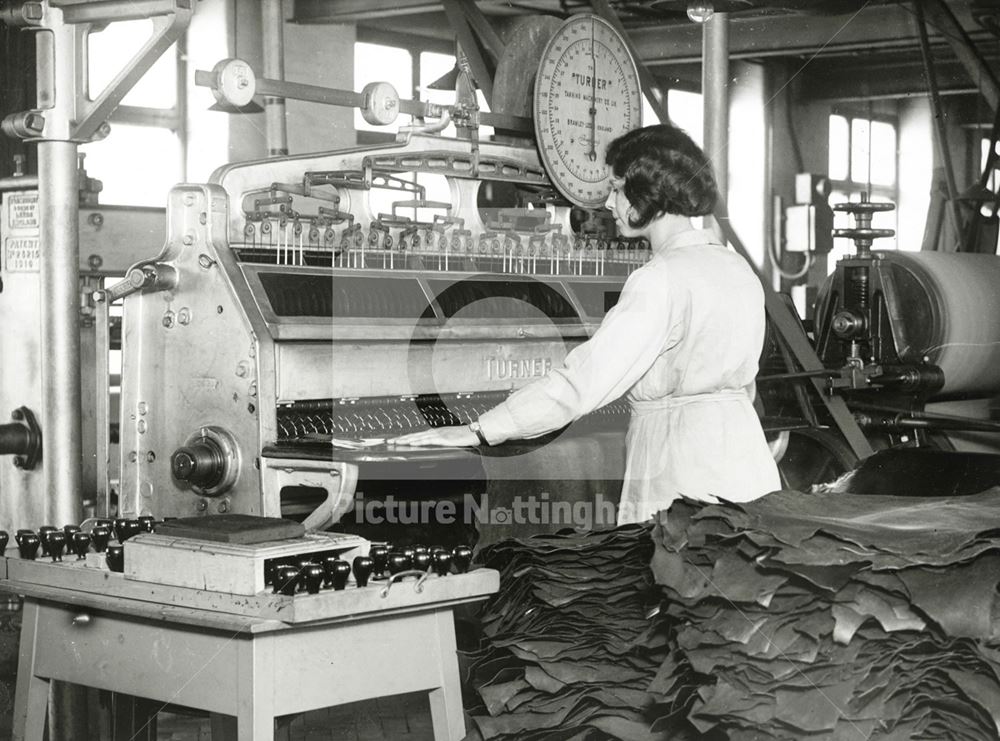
(943, 308)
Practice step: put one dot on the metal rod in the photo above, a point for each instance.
(274, 68)
(58, 207)
(102, 414)
(939, 123)
(19, 182)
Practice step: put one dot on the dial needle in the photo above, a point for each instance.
(593, 98)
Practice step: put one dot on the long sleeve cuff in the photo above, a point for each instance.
(497, 425)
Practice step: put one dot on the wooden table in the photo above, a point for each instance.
(251, 657)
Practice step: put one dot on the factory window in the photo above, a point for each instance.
(862, 159)
(146, 128)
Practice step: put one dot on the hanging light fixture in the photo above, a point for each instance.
(700, 12)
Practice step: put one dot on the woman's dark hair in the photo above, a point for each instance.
(664, 171)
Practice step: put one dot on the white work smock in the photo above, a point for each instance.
(684, 342)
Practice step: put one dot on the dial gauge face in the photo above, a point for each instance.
(586, 94)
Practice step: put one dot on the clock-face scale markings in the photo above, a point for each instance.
(586, 95)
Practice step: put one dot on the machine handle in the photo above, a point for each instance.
(418, 587)
(149, 277)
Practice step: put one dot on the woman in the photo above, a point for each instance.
(683, 342)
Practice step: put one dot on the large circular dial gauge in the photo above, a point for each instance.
(586, 94)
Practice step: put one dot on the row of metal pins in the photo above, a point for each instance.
(290, 249)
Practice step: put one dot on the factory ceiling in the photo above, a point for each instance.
(855, 48)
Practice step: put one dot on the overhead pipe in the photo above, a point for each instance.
(273, 31)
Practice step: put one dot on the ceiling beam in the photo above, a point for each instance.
(878, 27)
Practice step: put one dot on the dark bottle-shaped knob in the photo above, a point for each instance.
(28, 544)
(363, 567)
(118, 528)
(69, 530)
(421, 561)
(80, 544)
(408, 551)
(420, 549)
(303, 563)
(202, 463)
(115, 556)
(285, 579)
(398, 562)
(380, 560)
(442, 562)
(461, 556)
(100, 535)
(43, 537)
(146, 523)
(128, 529)
(338, 572)
(4, 539)
(57, 544)
(312, 575)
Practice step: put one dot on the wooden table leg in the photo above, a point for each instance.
(447, 715)
(31, 697)
(256, 674)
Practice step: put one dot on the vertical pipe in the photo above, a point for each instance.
(273, 29)
(58, 206)
(715, 100)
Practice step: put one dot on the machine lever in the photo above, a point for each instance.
(22, 438)
(149, 277)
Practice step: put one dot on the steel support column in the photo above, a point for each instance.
(273, 28)
(715, 100)
(58, 206)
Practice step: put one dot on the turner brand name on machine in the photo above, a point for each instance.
(499, 369)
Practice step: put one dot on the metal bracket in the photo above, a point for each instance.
(71, 114)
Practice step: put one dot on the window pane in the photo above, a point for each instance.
(110, 49)
(860, 148)
(137, 164)
(883, 153)
(378, 63)
(839, 143)
(686, 112)
(434, 66)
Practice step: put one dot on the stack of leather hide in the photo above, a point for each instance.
(836, 616)
(572, 639)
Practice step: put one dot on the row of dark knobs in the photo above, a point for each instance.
(53, 541)
(333, 572)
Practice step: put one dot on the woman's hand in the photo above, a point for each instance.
(440, 437)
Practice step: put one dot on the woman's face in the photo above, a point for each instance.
(621, 208)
